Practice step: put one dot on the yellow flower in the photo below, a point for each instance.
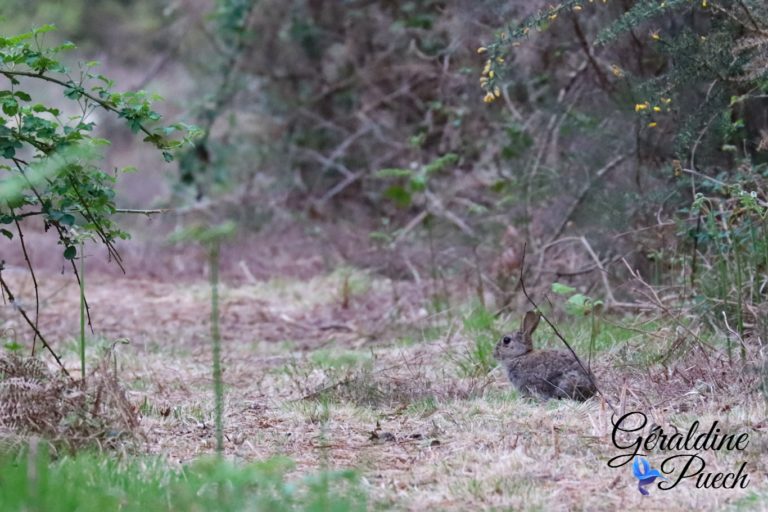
(617, 71)
(487, 67)
(526, 30)
(704, 3)
(488, 98)
(553, 16)
(666, 101)
(500, 60)
(483, 80)
(496, 92)
(641, 106)
(490, 74)
(652, 124)
(482, 49)
(577, 7)
(655, 35)
(656, 109)
(677, 168)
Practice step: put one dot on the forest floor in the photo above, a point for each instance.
(350, 370)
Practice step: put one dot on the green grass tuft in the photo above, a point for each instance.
(31, 481)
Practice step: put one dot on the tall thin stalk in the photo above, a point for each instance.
(82, 310)
(739, 292)
(218, 385)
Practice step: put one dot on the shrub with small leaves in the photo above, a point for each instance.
(50, 158)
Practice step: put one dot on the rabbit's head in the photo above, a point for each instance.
(519, 343)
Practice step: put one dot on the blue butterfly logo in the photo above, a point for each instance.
(645, 475)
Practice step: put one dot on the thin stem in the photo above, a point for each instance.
(31, 273)
(82, 310)
(29, 321)
(104, 104)
(739, 286)
(557, 333)
(218, 385)
(20, 166)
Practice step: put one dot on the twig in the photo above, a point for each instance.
(111, 250)
(603, 274)
(659, 303)
(584, 191)
(70, 85)
(19, 165)
(657, 226)
(418, 219)
(340, 186)
(31, 273)
(31, 324)
(557, 333)
(143, 212)
(442, 211)
(601, 76)
(704, 176)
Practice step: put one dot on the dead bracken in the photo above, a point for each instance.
(35, 402)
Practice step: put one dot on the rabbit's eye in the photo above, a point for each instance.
(507, 340)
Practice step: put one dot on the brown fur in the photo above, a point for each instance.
(543, 373)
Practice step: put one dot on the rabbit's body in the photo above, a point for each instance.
(549, 374)
(542, 373)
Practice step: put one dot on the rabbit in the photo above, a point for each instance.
(543, 373)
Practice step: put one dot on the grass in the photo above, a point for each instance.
(477, 360)
(339, 358)
(30, 481)
(447, 437)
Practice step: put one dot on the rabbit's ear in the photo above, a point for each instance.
(530, 322)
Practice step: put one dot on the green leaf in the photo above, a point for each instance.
(68, 45)
(73, 91)
(392, 173)
(67, 220)
(441, 163)
(70, 252)
(10, 106)
(418, 183)
(43, 29)
(578, 304)
(6, 233)
(205, 234)
(168, 157)
(399, 196)
(562, 289)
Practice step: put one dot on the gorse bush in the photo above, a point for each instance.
(694, 76)
(730, 240)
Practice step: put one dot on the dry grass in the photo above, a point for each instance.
(325, 385)
(71, 414)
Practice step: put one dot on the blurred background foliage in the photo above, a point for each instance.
(638, 125)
